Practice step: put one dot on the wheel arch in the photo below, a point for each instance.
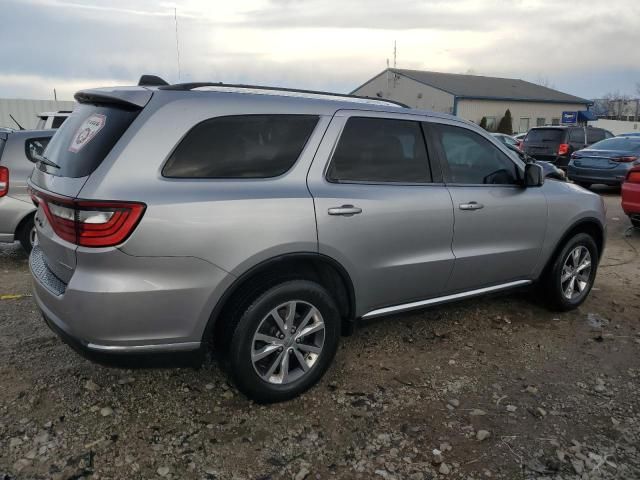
(321, 268)
(22, 222)
(589, 225)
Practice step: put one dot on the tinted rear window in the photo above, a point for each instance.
(86, 138)
(626, 144)
(545, 135)
(244, 146)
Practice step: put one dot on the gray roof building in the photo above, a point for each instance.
(474, 96)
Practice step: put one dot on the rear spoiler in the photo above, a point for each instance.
(136, 97)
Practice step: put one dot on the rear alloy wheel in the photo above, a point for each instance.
(571, 276)
(284, 341)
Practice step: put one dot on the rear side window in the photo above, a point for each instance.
(577, 136)
(243, 146)
(594, 135)
(86, 138)
(380, 150)
(545, 135)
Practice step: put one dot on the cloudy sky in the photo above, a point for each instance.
(583, 47)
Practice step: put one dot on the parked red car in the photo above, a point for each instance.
(631, 196)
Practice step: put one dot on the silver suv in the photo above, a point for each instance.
(262, 223)
(18, 152)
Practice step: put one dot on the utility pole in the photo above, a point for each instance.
(55, 95)
(394, 54)
(175, 17)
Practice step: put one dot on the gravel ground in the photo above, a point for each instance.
(491, 388)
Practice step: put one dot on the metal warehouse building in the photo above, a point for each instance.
(26, 111)
(473, 97)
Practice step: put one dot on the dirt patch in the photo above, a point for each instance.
(491, 388)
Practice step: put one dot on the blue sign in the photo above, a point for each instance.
(569, 117)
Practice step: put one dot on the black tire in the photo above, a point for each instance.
(248, 319)
(25, 234)
(584, 184)
(552, 279)
(635, 222)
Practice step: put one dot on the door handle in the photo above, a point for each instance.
(471, 206)
(346, 210)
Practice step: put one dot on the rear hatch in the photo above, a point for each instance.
(543, 143)
(75, 151)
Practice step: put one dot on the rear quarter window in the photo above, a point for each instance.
(242, 146)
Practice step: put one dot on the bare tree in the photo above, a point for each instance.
(616, 103)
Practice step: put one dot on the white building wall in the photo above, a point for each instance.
(407, 91)
(25, 111)
(616, 126)
(474, 110)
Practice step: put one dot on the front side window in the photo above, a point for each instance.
(472, 159)
(243, 146)
(380, 150)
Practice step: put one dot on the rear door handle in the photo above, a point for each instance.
(471, 206)
(346, 210)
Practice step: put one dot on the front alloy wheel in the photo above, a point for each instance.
(576, 272)
(568, 280)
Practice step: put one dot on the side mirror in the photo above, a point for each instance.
(533, 175)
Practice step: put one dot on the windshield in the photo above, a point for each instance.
(545, 135)
(86, 137)
(626, 144)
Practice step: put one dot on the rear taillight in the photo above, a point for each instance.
(633, 176)
(628, 159)
(520, 145)
(90, 223)
(4, 181)
(563, 149)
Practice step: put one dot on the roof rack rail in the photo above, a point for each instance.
(192, 85)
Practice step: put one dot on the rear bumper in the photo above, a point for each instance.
(614, 176)
(130, 305)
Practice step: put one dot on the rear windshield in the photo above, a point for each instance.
(626, 144)
(86, 138)
(545, 135)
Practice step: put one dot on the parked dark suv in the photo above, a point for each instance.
(556, 144)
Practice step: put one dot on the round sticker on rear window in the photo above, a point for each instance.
(89, 129)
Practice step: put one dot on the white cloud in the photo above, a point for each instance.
(333, 45)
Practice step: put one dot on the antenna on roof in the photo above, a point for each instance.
(175, 18)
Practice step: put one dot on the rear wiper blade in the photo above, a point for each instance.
(45, 160)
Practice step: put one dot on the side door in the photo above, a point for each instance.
(380, 209)
(499, 225)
